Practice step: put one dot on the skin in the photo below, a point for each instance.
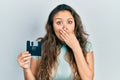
(63, 20)
(63, 24)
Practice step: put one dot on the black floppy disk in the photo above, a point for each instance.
(34, 47)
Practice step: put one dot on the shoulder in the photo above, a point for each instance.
(89, 46)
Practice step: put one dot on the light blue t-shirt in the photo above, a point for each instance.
(64, 71)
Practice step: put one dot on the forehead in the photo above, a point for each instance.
(63, 15)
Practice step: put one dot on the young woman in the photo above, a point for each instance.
(66, 52)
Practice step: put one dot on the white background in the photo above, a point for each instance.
(22, 20)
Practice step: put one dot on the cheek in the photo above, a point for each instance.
(57, 33)
(56, 30)
(71, 29)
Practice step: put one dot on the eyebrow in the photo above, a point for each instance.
(61, 18)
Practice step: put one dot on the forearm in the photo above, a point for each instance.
(83, 68)
(28, 74)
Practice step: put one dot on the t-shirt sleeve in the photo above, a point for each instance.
(36, 57)
(89, 47)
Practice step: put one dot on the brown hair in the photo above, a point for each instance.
(51, 45)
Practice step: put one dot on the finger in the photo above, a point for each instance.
(24, 54)
(62, 37)
(66, 30)
(27, 58)
(24, 63)
(64, 33)
(22, 59)
(21, 54)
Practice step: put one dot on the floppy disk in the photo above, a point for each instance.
(34, 47)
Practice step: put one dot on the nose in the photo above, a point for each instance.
(64, 26)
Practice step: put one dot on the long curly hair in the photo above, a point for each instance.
(51, 46)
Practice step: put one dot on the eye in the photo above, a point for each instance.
(70, 22)
(58, 22)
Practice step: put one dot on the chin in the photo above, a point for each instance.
(61, 40)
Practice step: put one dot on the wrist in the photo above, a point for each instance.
(26, 69)
(77, 48)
